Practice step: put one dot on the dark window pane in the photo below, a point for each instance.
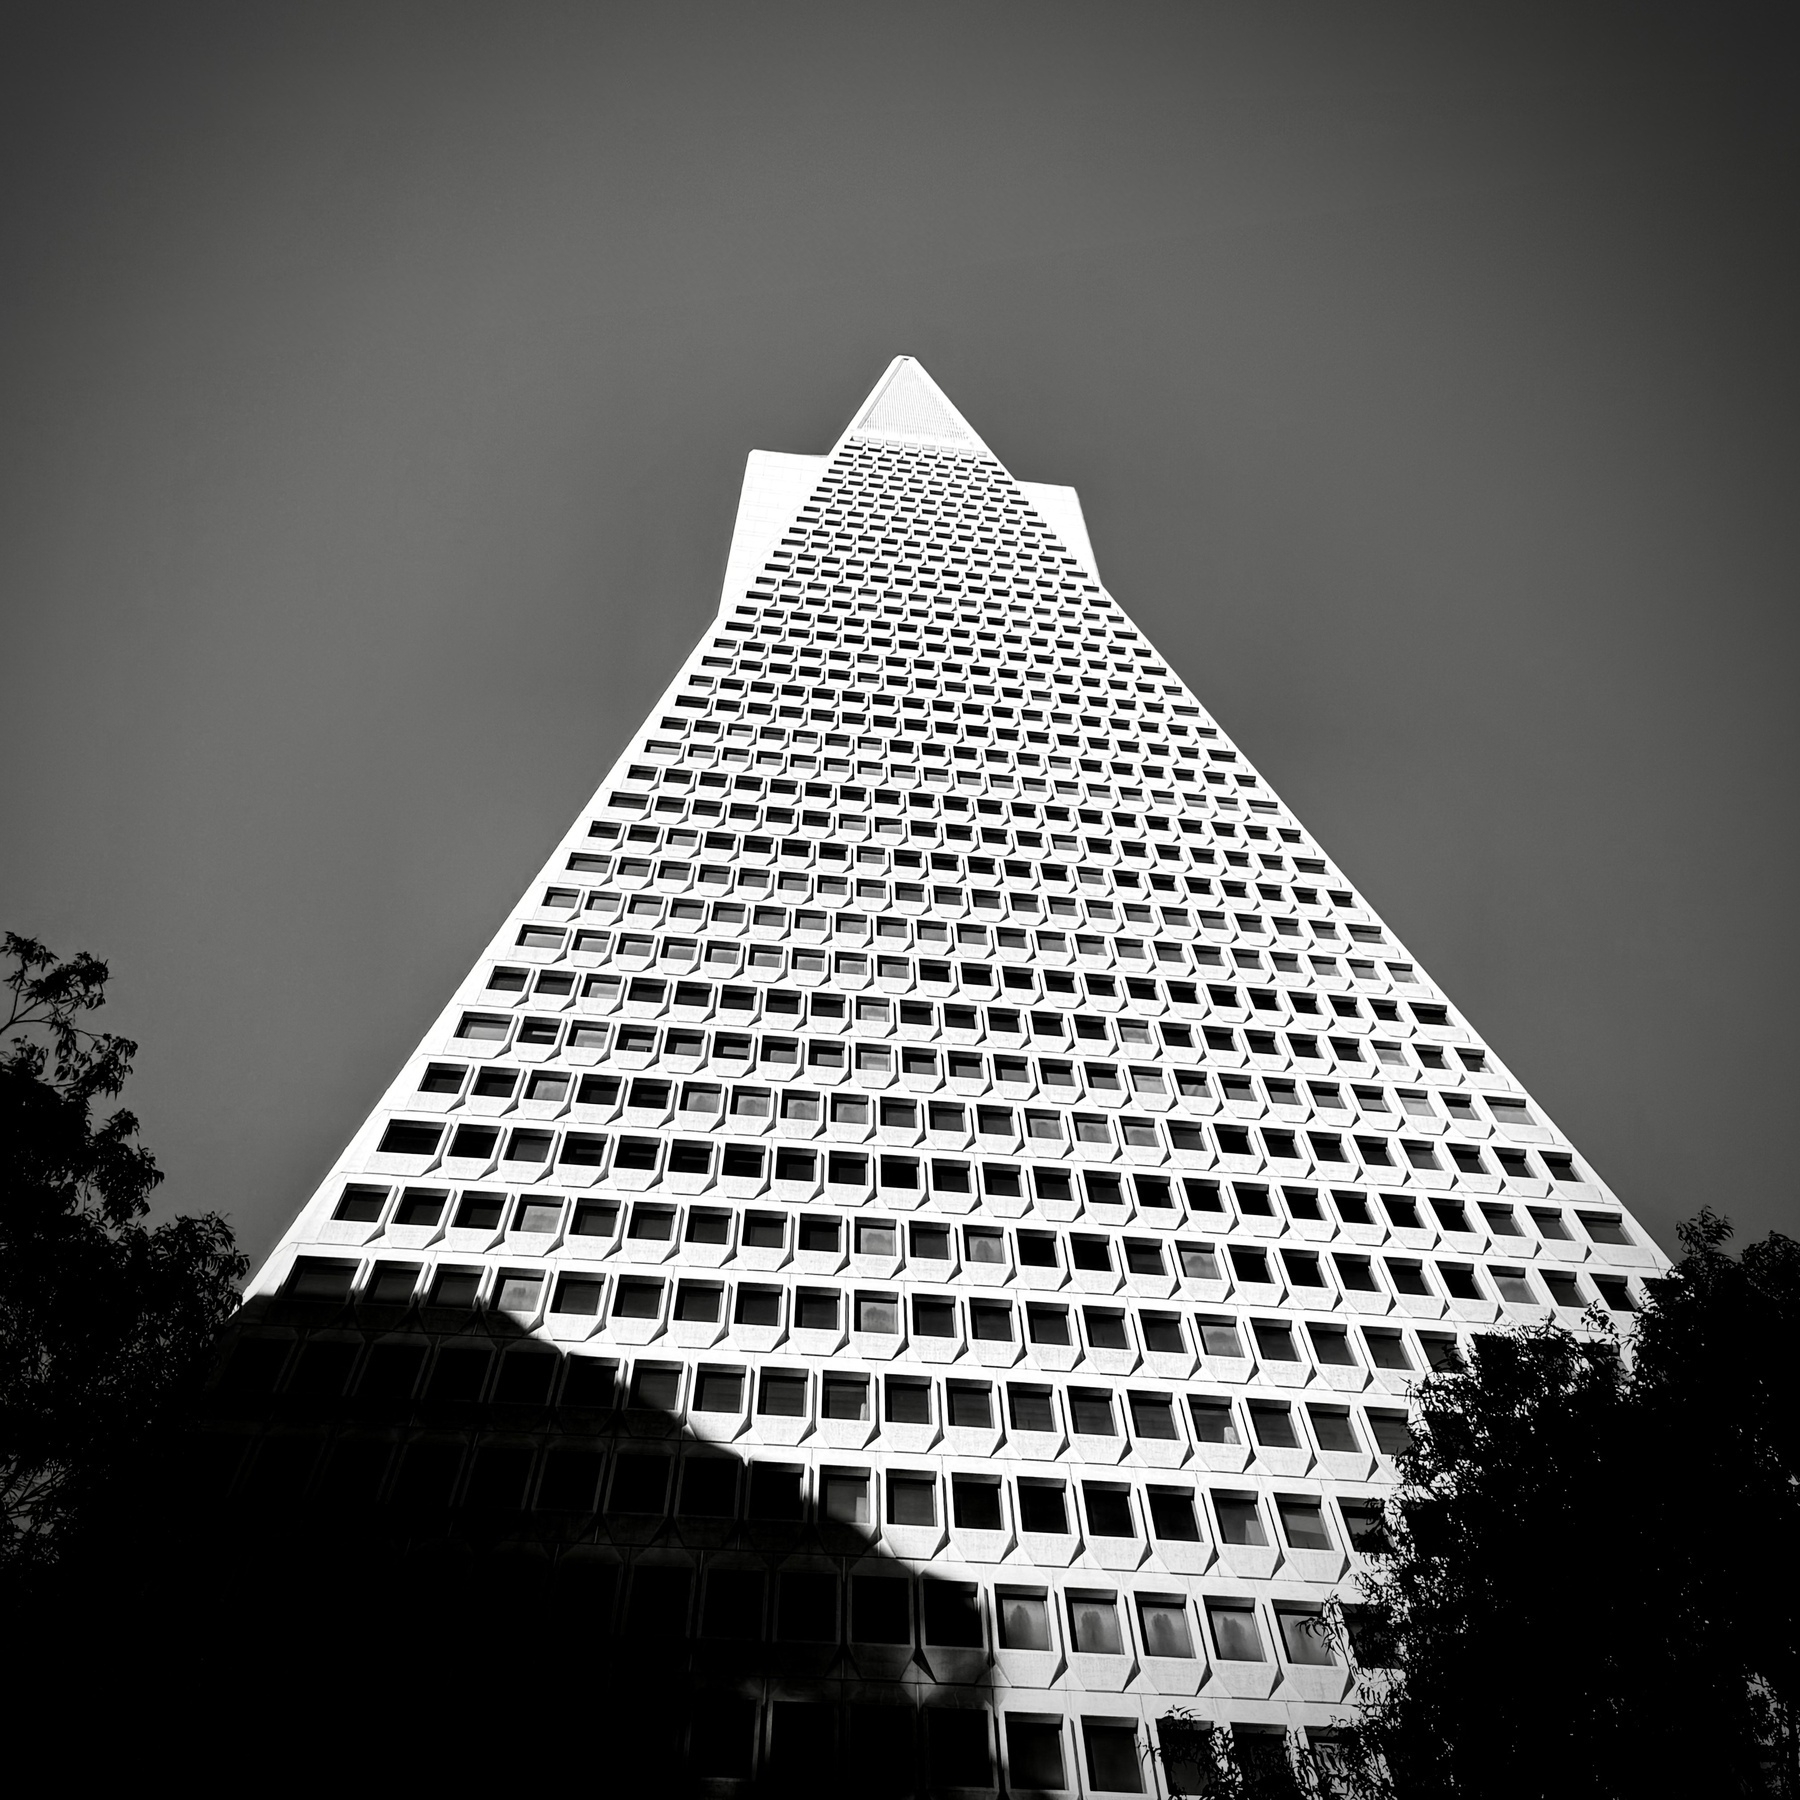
(952, 1613)
(880, 1610)
(807, 1609)
(659, 1602)
(1041, 1508)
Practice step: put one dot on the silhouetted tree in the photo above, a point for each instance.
(1586, 1582)
(1590, 1586)
(106, 1323)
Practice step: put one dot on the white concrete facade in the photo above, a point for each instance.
(937, 1064)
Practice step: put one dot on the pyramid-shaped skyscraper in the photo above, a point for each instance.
(920, 1225)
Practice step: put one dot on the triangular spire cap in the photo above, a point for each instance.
(908, 407)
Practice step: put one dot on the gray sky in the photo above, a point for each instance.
(376, 380)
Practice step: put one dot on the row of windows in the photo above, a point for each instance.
(827, 640)
(897, 551)
(549, 1215)
(735, 1601)
(902, 593)
(696, 1001)
(947, 756)
(881, 1750)
(725, 957)
(853, 771)
(875, 1064)
(829, 645)
(943, 764)
(1040, 1418)
(1045, 1326)
(818, 634)
(897, 932)
(1099, 699)
(1061, 798)
(796, 775)
(704, 769)
(759, 853)
(895, 731)
(645, 911)
(1107, 1084)
(872, 760)
(749, 815)
(471, 1373)
(1045, 1133)
(879, 1013)
(640, 1482)
(1244, 1094)
(846, 831)
(993, 650)
(653, 1099)
(760, 654)
(888, 695)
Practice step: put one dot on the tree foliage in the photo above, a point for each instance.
(105, 1322)
(1590, 1586)
(1585, 1582)
(1200, 1756)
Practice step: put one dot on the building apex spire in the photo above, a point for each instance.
(908, 405)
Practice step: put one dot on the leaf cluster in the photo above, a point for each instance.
(1202, 1757)
(1588, 1586)
(105, 1321)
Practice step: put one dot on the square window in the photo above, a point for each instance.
(764, 1231)
(578, 1296)
(846, 1397)
(1393, 1437)
(908, 1400)
(519, 1293)
(1235, 1636)
(1108, 1510)
(975, 1502)
(782, 1395)
(951, 1613)
(1090, 1413)
(1023, 1619)
(1273, 1423)
(775, 1492)
(1303, 1523)
(1513, 1286)
(1364, 1522)
(1240, 1520)
(1213, 1420)
(1114, 1766)
(970, 1405)
(1030, 1408)
(1094, 1625)
(656, 1386)
(1042, 1508)
(1304, 1638)
(719, 1391)
(637, 1297)
(844, 1496)
(958, 1742)
(758, 1306)
(880, 1609)
(1034, 1752)
(807, 1608)
(361, 1205)
(1172, 1515)
(1164, 1624)
(640, 1484)
(1332, 1430)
